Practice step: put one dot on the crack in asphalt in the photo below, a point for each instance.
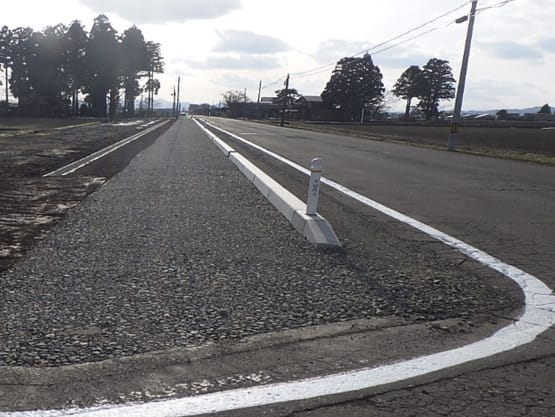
(375, 400)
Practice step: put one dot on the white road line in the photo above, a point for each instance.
(76, 165)
(538, 316)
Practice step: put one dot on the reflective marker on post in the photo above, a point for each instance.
(314, 186)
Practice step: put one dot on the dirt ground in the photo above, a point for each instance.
(19, 124)
(30, 148)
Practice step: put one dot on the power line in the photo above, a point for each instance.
(376, 48)
(279, 80)
(497, 5)
(414, 29)
(405, 41)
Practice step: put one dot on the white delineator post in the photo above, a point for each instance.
(314, 186)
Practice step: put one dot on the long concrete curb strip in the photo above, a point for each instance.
(315, 228)
(538, 316)
(74, 166)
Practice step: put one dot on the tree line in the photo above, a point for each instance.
(356, 91)
(47, 71)
(356, 87)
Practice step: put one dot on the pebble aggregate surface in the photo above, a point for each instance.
(179, 249)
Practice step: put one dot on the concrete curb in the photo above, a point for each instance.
(314, 228)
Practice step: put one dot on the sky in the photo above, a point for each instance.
(221, 45)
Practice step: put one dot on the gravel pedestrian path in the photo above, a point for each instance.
(179, 249)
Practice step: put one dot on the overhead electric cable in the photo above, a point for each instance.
(377, 49)
(429, 22)
(497, 5)
(414, 29)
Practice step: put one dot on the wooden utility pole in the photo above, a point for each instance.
(178, 107)
(174, 101)
(259, 90)
(285, 96)
(150, 97)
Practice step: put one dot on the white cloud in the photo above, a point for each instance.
(198, 31)
(512, 50)
(163, 11)
(248, 42)
(233, 81)
(332, 50)
(247, 62)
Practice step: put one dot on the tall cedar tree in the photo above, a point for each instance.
(73, 55)
(438, 84)
(101, 63)
(49, 69)
(355, 83)
(21, 50)
(135, 59)
(48, 80)
(5, 59)
(409, 85)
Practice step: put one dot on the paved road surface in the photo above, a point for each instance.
(503, 207)
(506, 208)
(179, 251)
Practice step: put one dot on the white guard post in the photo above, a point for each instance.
(314, 186)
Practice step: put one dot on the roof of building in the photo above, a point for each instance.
(310, 99)
(267, 99)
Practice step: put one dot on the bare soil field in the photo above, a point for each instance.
(29, 148)
(19, 125)
(524, 143)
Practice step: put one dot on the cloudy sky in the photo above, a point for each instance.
(220, 45)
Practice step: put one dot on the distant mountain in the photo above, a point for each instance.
(519, 111)
(162, 104)
(167, 104)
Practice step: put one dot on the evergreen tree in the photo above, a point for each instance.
(21, 50)
(356, 83)
(101, 66)
(135, 59)
(155, 65)
(5, 58)
(73, 57)
(48, 81)
(409, 85)
(438, 84)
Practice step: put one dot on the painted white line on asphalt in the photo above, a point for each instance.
(538, 316)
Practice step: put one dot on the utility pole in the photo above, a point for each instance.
(245, 96)
(285, 96)
(7, 90)
(178, 106)
(259, 90)
(452, 140)
(150, 105)
(174, 100)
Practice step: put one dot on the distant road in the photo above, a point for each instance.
(506, 208)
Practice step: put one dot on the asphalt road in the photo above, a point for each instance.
(502, 207)
(178, 278)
